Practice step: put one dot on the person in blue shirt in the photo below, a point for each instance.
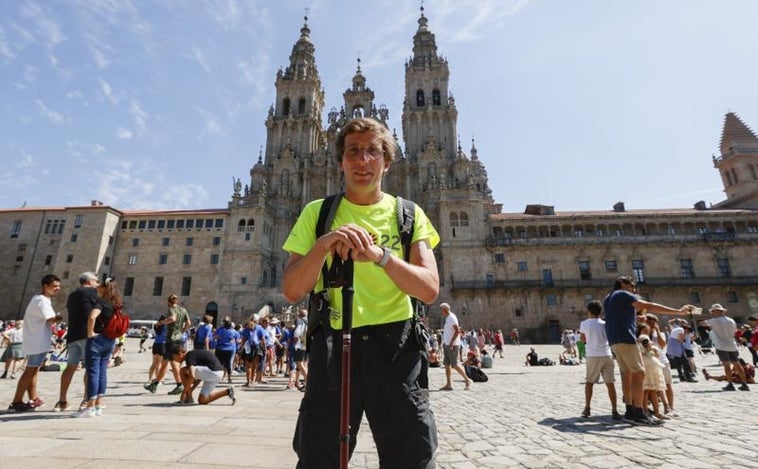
(621, 309)
(249, 348)
(226, 346)
(203, 333)
(265, 344)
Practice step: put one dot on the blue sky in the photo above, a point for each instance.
(577, 104)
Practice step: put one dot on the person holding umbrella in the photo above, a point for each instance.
(385, 363)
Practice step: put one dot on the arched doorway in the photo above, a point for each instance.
(212, 309)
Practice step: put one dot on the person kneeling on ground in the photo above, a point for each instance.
(201, 366)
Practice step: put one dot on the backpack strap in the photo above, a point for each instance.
(325, 218)
(406, 210)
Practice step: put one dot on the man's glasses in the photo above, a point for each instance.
(356, 152)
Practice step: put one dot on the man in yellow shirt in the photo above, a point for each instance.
(385, 367)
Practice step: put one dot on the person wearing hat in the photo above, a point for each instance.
(722, 332)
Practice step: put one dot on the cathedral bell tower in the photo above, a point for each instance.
(738, 164)
(293, 126)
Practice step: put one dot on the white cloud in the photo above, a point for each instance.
(83, 152)
(101, 60)
(200, 58)
(108, 92)
(55, 117)
(46, 25)
(212, 126)
(26, 161)
(124, 134)
(139, 115)
(226, 13)
(5, 47)
(76, 94)
(130, 185)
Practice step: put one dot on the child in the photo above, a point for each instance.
(142, 339)
(654, 380)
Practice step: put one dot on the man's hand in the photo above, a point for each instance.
(350, 240)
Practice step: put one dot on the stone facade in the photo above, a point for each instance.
(533, 270)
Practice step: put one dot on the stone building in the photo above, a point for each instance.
(533, 270)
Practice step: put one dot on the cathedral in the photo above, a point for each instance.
(533, 270)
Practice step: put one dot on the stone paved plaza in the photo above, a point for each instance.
(522, 417)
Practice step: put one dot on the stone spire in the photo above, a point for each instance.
(302, 59)
(736, 135)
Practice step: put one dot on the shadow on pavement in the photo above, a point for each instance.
(588, 425)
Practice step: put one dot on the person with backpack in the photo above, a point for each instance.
(386, 355)
(97, 353)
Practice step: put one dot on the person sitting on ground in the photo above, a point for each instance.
(486, 359)
(434, 358)
(472, 360)
(749, 374)
(201, 366)
(532, 359)
(570, 361)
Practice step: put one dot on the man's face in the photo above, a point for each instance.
(51, 289)
(363, 162)
(630, 287)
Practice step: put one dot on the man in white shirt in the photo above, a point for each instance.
(722, 334)
(451, 343)
(599, 358)
(38, 320)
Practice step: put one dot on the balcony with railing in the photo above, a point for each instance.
(710, 236)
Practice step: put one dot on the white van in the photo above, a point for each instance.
(135, 326)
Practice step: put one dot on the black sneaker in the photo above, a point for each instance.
(629, 416)
(20, 407)
(729, 387)
(642, 419)
(744, 387)
(617, 416)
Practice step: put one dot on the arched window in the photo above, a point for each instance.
(453, 219)
(436, 101)
(463, 219)
(241, 225)
(420, 98)
(242, 222)
(728, 178)
(251, 222)
(734, 176)
(286, 107)
(301, 106)
(497, 232)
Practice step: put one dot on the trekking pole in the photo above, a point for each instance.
(347, 324)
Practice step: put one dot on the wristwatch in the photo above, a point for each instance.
(386, 257)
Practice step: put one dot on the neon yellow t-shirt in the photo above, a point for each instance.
(377, 300)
